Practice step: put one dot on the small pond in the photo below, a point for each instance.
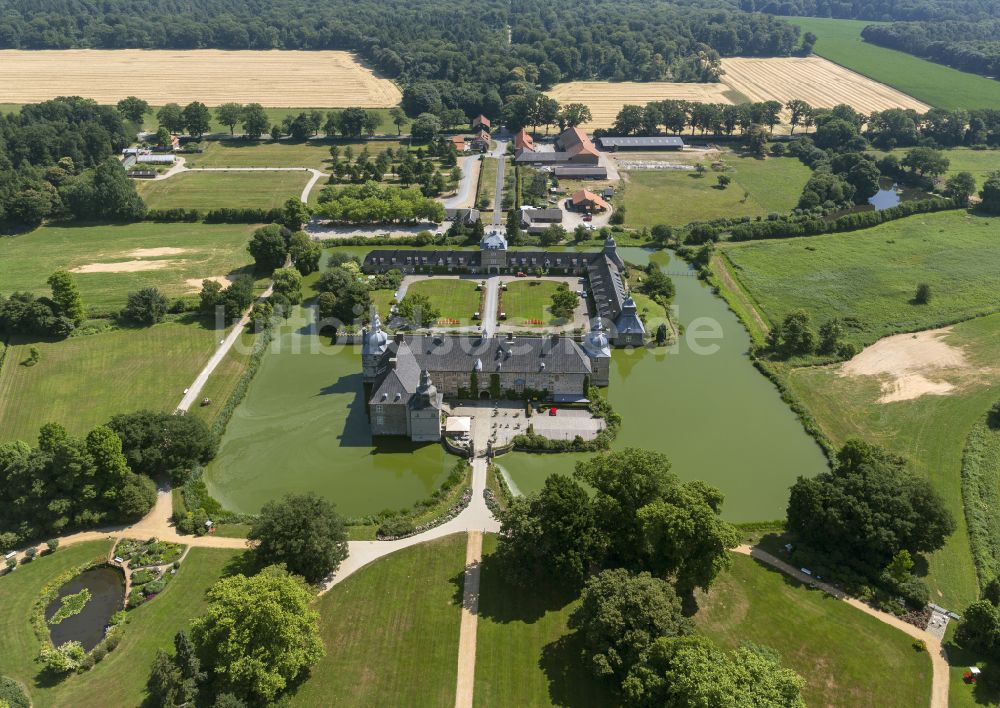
(107, 596)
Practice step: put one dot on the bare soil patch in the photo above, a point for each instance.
(271, 78)
(910, 365)
(123, 266)
(154, 252)
(194, 284)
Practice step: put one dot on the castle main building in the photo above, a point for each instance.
(410, 375)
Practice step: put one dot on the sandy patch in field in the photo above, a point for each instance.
(272, 78)
(910, 365)
(194, 284)
(122, 267)
(153, 252)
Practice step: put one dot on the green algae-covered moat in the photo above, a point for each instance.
(303, 426)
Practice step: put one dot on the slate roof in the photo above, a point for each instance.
(398, 384)
(553, 215)
(594, 171)
(438, 353)
(652, 141)
(607, 287)
(396, 258)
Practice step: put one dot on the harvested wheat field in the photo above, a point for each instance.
(271, 78)
(606, 98)
(818, 82)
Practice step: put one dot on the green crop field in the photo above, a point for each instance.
(676, 197)
(527, 302)
(840, 41)
(929, 431)
(455, 298)
(283, 153)
(119, 259)
(82, 381)
(525, 654)
(120, 679)
(391, 631)
(220, 190)
(846, 657)
(872, 274)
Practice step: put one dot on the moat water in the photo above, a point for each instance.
(302, 426)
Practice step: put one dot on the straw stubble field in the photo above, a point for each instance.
(271, 78)
(819, 82)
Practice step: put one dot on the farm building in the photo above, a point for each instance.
(481, 141)
(572, 147)
(535, 220)
(581, 172)
(481, 122)
(652, 142)
(459, 142)
(523, 141)
(587, 201)
(463, 215)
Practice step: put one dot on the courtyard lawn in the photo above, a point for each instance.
(284, 153)
(678, 197)
(81, 382)
(455, 298)
(382, 300)
(220, 190)
(120, 679)
(938, 85)
(872, 274)
(525, 653)
(118, 259)
(391, 631)
(527, 303)
(846, 657)
(929, 431)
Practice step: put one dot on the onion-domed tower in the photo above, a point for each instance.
(598, 350)
(374, 343)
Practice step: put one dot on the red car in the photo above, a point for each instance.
(588, 217)
(552, 411)
(520, 274)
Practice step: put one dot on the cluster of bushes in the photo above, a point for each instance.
(787, 227)
(243, 216)
(56, 316)
(794, 336)
(12, 693)
(371, 203)
(980, 495)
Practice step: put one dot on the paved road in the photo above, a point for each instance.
(192, 393)
(463, 197)
(939, 658)
(489, 313)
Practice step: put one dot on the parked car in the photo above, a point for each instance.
(588, 217)
(520, 274)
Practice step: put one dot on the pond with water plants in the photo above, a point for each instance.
(83, 607)
(704, 405)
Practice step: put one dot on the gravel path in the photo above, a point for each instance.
(939, 658)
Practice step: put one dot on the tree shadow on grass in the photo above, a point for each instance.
(244, 563)
(502, 600)
(570, 683)
(983, 692)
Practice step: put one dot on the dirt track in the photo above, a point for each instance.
(271, 78)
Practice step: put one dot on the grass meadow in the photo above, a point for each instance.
(526, 300)
(120, 679)
(283, 153)
(81, 382)
(929, 431)
(486, 190)
(846, 657)
(840, 42)
(677, 197)
(206, 250)
(872, 274)
(221, 190)
(455, 298)
(979, 162)
(391, 631)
